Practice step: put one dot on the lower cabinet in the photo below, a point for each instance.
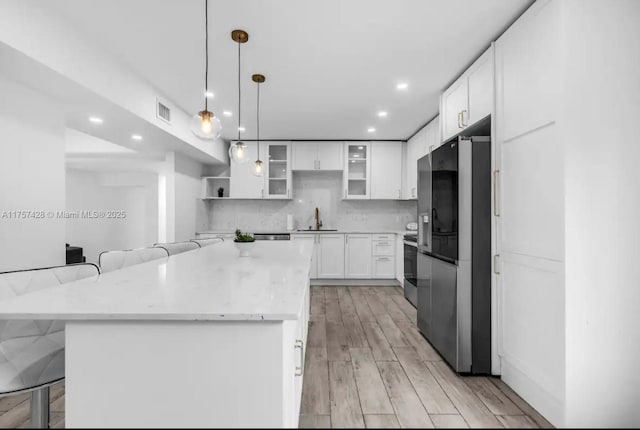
(383, 267)
(330, 252)
(357, 256)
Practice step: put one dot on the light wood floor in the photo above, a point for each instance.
(367, 365)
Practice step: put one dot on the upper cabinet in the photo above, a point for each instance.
(243, 183)
(277, 175)
(423, 142)
(357, 170)
(317, 156)
(470, 98)
(386, 170)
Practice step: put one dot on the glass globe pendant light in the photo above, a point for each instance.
(205, 124)
(258, 168)
(238, 150)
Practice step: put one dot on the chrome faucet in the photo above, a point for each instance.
(318, 222)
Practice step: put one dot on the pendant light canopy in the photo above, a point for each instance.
(238, 150)
(205, 124)
(258, 168)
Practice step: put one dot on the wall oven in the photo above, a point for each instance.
(411, 269)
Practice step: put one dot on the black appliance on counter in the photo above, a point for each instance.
(74, 255)
(454, 252)
(411, 268)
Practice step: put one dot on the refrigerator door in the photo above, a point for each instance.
(424, 203)
(444, 201)
(424, 294)
(444, 311)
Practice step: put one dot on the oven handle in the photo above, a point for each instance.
(414, 244)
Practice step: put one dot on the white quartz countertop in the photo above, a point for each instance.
(343, 231)
(212, 283)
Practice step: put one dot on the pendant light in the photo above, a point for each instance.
(258, 168)
(205, 124)
(238, 150)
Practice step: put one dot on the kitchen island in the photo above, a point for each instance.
(200, 339)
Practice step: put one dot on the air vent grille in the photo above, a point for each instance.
(163, 112)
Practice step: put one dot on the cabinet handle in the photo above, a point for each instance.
(399, 194)
(459, 126)
(496, 173)
(262, 191)
(496, 262)
(383, 258)
(300, 345)
(413, 192)
(462, 118)
(383, 243)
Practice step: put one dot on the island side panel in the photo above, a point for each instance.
(174, 374)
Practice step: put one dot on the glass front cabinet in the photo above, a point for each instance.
(357, 170)
(277, 173)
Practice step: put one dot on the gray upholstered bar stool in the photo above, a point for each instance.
(178, 247)
(208, 242)
(114, 260)
(32, 351)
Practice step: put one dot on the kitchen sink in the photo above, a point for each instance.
(313, 229)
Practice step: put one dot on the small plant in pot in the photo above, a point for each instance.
(243, 242)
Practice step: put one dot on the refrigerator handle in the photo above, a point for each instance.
(496, 174)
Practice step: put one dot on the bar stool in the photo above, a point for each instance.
(114, 260)
(32, 351)
(178, 247)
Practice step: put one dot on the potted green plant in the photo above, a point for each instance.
(243, 242)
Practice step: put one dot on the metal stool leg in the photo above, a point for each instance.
(40, 408)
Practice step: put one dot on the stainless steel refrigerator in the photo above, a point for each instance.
(454, 252)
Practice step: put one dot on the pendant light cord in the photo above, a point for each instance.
(239, 92)
(258, 122)
(206, 54)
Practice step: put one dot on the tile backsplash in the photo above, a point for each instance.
(310, 190)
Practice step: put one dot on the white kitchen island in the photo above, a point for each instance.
(199, 339)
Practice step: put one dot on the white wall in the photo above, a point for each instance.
(31, 178)
(310, 190)
(135, 194)
(602, 180)
(190, 210)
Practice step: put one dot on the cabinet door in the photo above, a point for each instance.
(386, 170)
(358, 256)
(311, 238)
(305, 155)
(357, 170)
(480, 83)
(383, 267)
(331, 256)
(454, 103)
(278, 171)
(243, 183)
(330, 156)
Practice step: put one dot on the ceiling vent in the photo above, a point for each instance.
(163, 112)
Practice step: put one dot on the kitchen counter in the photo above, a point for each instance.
(211, 283)
(342, 231)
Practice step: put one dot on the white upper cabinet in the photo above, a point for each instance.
(317, 156)
(386, 170)
(243, 183)
(358, 256)
(423, 142)
(277, 174)
(357, 170)
(470, 98)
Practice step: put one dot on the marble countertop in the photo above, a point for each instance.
(212, 283)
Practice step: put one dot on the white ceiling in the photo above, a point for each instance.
(331, 65)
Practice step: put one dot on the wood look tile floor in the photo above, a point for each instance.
(368, 366)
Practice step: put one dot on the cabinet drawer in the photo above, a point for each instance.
(383, 267)
(383, 247)
(384, 237)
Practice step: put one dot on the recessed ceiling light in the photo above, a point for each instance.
(360, 147)
(208, 94)
(356, 155)
(353, 161)
(382, 113)
(241, 128)
(371, 129)
(136, 137)
(402, 86)
(95, 120)
(227, 113)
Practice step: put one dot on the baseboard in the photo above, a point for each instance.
(357, 282)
